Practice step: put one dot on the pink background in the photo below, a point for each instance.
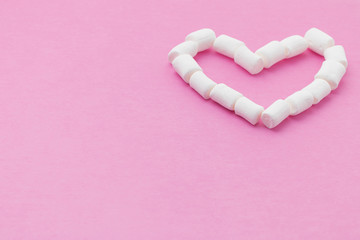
(101, 139)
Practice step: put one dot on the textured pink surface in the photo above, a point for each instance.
(100, 139)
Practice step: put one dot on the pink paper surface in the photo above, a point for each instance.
(101, 139)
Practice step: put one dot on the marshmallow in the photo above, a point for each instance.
(336, 53)
(249, 110)
(227, 45)
(319, 89)
(318, 40)
(275, 113)
(332, 72)
(299, 101)
(272, 53)
(225, 96)
(248, 60)
(204, 37)
(202, 84)
(294, 45)
(185, 66)
(187, 47)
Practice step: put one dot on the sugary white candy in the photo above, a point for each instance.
(185, 66)
(187, 47)
(318, 40)
(299, 101)
(202, 84)
(248, 60)
(225, 96)
(319, 89)
(275, 113)
(332, 72)
(294, 45)
(272, 53)
(336, 53)
(204, 37)
(249, 110)
(227, 45)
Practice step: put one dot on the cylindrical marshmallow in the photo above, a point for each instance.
(332, 72)
(202, 84)
(294, 45)
(248, 60)
(275, 113)
(204, 37)
(319, 89)
(225, 96)
(185, 66)
(227, 45)
(272, 53)
(336, 53)
(318, 40)
(187, 47)
(249, 110)
(299, 101)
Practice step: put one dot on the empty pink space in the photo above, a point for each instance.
(101, 139)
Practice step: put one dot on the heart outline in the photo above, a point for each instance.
(181, 57)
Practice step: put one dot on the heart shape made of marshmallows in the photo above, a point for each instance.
(325, 80)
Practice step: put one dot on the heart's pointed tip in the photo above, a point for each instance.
(267, 120)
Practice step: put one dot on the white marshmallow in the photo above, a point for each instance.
(318, 40)
(294, 45)
(225, 96)
(319, 89)
(185, 66)
(332, 72)
(275, 113)
(202, 84)
(248, 60)
(227, 45)
(272, 53)
(299, 101)
(336, 53)
(187, 47)
(249, 110)
(204, 37)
